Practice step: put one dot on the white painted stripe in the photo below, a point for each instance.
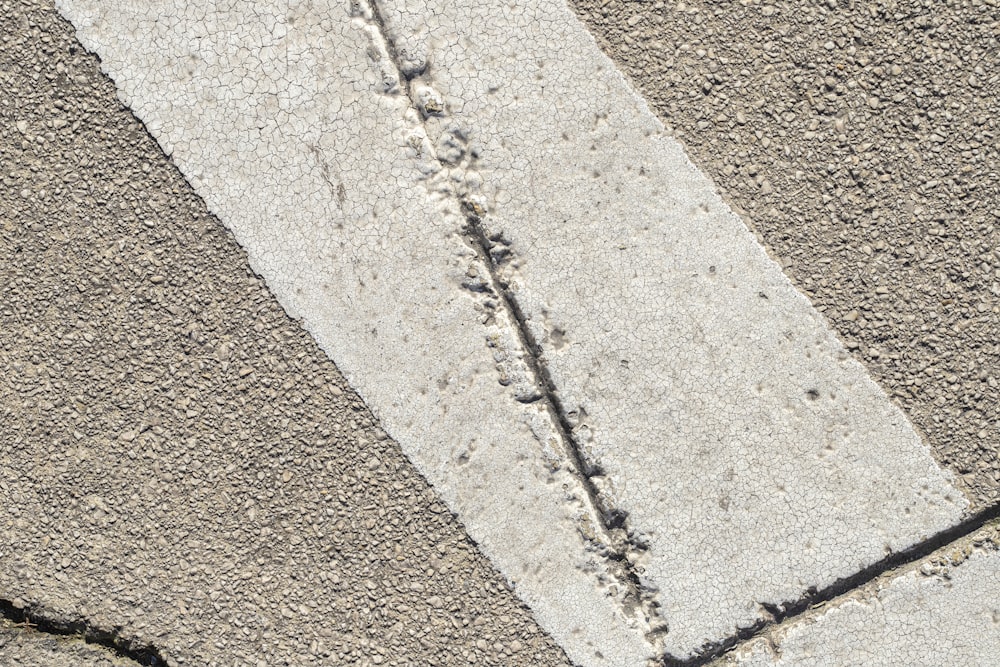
(690, 388)
(689, 361)
(282, 122)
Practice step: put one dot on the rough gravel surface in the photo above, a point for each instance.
(860, 140)
(179, 462)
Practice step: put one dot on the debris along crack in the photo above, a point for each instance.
(625, 548)
(789, 612)
(622, 550)
(23, 616)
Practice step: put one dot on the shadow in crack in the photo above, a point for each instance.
(24, 616)
(788, 611)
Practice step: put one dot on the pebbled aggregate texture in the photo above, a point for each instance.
(24, 647)
(859, 139)
(178, 459)
(944, 611)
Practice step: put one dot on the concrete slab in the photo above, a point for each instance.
(543, 301)
(857, 140)
(945, 611)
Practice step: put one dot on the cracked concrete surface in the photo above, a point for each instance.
(644, 426)
(441, 367)
(942, 611)
(716, 404)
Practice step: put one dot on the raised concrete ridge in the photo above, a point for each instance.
(645, 427)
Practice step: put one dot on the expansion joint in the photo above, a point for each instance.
(620, 548)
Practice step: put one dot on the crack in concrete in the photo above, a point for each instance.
(621, 548)
(789, 612)
(357, 9)
(24, 616)
(624, 547)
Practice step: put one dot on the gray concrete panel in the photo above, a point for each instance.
(946, 611)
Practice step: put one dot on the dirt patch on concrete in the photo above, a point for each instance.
(860, 141)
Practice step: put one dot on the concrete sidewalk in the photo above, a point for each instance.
(650, 432)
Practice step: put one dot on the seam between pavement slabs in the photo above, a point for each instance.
(790, 612)
(620, 547)
(28, 618)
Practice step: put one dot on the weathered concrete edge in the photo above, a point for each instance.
(939, 561)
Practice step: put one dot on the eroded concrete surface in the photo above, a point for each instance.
(944, 611)
(443, 192)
